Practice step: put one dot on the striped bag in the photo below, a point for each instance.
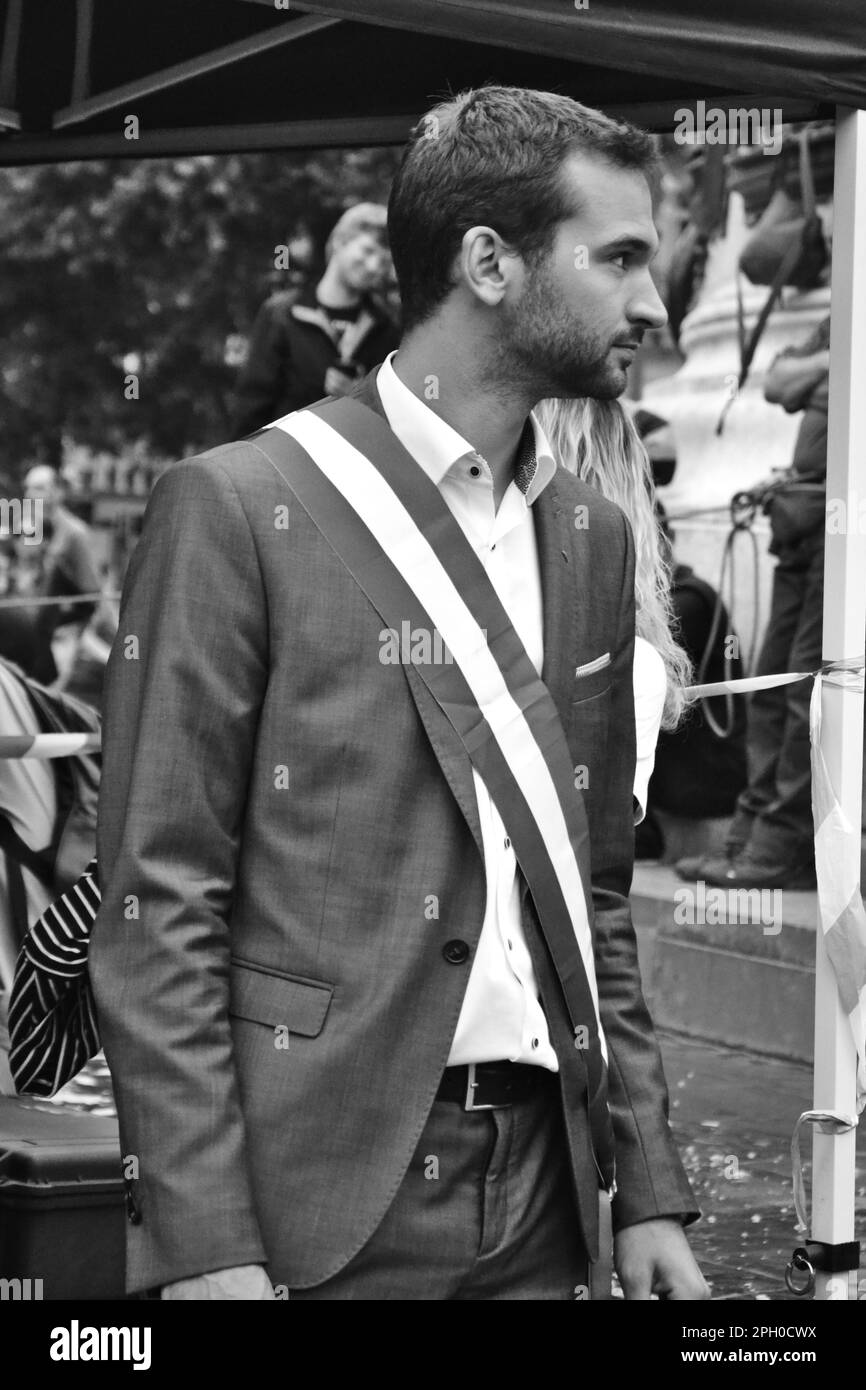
(52, 1018)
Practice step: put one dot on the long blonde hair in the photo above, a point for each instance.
(597, 441)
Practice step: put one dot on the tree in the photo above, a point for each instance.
(117, 270)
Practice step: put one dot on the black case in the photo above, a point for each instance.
(62, 1203)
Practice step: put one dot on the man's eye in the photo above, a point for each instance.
(622, 260)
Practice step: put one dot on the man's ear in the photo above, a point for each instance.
(485, 265)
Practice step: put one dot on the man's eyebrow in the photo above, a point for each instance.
(632, 243)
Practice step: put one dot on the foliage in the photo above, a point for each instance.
(147, 265)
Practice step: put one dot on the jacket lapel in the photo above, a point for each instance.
(306, 313)
(564, 580)
(557, 563)
(356, 334)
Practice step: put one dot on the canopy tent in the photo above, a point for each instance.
(205, 76)
(216, 75)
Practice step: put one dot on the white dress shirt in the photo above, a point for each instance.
(501, 1015)
(650, 689)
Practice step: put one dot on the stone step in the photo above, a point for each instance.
(745, 983)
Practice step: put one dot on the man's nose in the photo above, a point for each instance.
(646, 306)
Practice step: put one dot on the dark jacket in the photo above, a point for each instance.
(797, 514)
(292, 345)
(697, 773)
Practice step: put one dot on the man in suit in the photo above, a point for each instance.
(343, 1062)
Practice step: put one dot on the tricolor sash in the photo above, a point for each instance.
(414, 564)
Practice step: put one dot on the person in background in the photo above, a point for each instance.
(597, 441)
(770, 843)
(18, 641)
(68, 566)
(700, 767)
(324, 340)
(28, 802)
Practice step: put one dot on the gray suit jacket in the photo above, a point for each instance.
(278, 811)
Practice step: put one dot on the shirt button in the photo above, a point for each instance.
(475, 471)
(507, 843)
(535, 1042)
(510, 947)
(455, 952)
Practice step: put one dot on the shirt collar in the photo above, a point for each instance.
(437, 446)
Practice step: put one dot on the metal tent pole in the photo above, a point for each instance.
(832, 1218)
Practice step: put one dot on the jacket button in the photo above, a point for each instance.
(455, 952)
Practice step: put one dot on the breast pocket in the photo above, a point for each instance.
(592, 685)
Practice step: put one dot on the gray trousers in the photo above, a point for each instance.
(485, 1211)
(774, 812)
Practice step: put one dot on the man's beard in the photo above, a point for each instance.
(551, 355)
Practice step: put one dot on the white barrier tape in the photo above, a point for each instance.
(847, 672)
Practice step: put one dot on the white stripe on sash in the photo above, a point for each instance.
(382, 512)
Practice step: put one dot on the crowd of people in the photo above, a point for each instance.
(58, 615)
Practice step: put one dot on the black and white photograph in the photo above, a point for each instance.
(432, 612)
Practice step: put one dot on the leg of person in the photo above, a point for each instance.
(485, 1211)
(531, 1247)
(429, 1236)
(768, 709)
(783, 833)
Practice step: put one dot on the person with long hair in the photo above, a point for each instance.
(597, 441)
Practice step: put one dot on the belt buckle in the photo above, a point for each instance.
(471, 1084)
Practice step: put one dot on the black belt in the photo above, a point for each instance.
(489, 1085)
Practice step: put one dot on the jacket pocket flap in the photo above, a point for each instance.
(263, 996)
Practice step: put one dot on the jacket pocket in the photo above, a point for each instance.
(272, 997)
(590, 686)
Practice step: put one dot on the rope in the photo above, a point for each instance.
(743, 509)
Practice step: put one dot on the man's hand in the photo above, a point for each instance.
(654, 1257)
(241, 1281)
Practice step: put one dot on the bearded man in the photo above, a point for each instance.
(364, 967)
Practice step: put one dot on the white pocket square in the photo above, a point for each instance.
(591, 666)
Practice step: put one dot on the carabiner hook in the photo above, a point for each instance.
(800, 1261)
